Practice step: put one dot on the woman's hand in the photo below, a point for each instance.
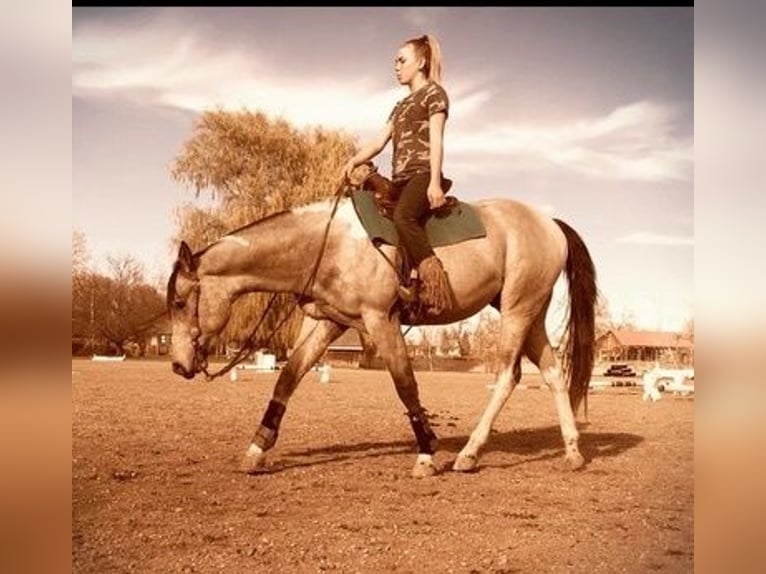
(347, 169)
(435, 195)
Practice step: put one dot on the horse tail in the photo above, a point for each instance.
(579, 335)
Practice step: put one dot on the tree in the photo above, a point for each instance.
(485, 338)
(124, 305)
(427, 341)
(254, 166)
(449, 339)
(688, 329)
(604, 321)
(464, 343)
(81, 300)
(79, 252)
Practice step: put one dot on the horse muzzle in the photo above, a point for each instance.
(199, 364)
(179, 369)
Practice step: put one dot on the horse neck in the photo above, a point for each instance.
(276, 254)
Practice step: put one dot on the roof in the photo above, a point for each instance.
(348, 341)
(628, 338)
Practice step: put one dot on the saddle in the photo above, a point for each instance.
(384, 193)
(375, 199)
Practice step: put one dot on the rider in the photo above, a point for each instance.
(416, 125)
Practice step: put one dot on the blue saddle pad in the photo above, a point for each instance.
(445, 227)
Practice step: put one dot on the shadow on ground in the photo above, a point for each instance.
(530, 445)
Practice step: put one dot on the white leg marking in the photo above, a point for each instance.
(424, 466)
(254, 450)
(254, 460)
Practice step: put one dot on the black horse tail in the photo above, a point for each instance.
(579, 336)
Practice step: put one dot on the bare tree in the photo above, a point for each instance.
(484, 339)
(449, 339)
(125, 306)
(604, 322)
(79, 252)
(688, 330)
(82, 330)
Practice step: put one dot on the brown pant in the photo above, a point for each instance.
(410, 214)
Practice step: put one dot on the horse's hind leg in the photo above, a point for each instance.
(539, 351)
(312, 341)
(387, 334)
(512, 330)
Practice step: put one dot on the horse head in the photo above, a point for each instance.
(198, 313)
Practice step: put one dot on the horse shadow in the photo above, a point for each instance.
(527, 446)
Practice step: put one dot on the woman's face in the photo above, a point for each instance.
(406, 64)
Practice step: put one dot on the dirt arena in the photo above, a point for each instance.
(156, 485)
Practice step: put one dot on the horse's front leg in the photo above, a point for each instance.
(313, 340)
(387, 335)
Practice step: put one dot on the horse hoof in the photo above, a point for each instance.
(423, 469)
(574, 461)
(465, 463)
(254, 461)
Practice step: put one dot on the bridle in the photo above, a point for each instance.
(249, 344)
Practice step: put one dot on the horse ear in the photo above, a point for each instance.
(185, 257)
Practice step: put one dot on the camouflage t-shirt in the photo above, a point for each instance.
(411, 132)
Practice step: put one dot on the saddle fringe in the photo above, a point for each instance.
(435, 291)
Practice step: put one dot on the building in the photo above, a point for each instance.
(346, 350)
(644, 346)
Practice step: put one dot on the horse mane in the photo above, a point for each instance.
(243, 228)
(257, 222)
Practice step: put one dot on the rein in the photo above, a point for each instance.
(249, 345)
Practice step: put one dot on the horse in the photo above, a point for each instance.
(350, 285)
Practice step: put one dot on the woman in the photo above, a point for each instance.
(416, 125)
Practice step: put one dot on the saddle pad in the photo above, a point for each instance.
(460, 223)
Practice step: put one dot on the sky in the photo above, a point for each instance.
(586, 113)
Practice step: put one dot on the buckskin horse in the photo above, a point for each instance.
(322, 253)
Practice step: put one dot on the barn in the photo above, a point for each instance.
(346, 350)
(645, 346)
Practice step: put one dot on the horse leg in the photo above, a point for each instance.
(508, 376)
(539, 351)
(314, 337)
(387, 335)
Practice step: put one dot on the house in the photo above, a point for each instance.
(158, 337)
(346, 350)
(647, 346)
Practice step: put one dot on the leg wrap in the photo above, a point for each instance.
(267, 433)
(426, 437)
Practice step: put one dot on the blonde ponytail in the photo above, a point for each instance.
(435, 65)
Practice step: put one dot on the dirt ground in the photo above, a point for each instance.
(156, 485)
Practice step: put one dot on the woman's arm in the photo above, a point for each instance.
(370, 150)
(436, 140)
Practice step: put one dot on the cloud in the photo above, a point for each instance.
(178, 71)
(632, 143)
(635, 142)
(645, 238)
(424, 18)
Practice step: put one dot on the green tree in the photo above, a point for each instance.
(253, 167)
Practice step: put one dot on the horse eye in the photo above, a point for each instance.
(179, 305)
